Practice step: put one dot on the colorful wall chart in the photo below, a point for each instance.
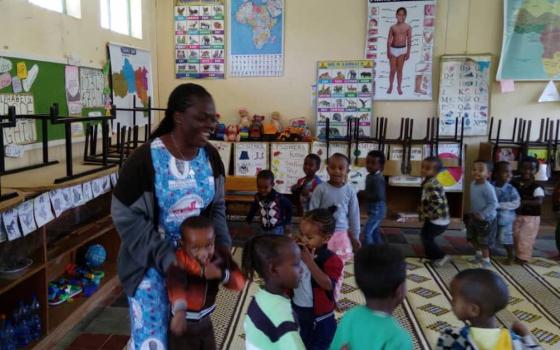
(530, 46)
(199, 39)
(344, 90)
(407, 44)
(250, 158)
(224, 149)
(464, 92)
(131, 77)
(256, 38)
(287, 164)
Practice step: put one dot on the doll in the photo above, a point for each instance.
(256, 129)
(275, 119)
(232, 133)
(244, 118)
(219, 132)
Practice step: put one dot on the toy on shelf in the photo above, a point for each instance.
(232, 133)
(219, 132)
(244, 124)
(297, 132)
(275, 119)
(95, 255)
(256, 129)
(62, 291)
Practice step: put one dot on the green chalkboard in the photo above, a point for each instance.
(48, 88)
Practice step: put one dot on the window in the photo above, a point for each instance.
(68, 7)
(122, 16)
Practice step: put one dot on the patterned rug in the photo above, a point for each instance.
(534, 289)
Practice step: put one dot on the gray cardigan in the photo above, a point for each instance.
(135, 215)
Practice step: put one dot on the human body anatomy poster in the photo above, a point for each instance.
(464, 92)
(400, 37)
(344, 90)
(256, 38)
(199, 39)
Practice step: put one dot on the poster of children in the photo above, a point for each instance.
(400, 37)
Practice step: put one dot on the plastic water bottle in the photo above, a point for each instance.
(9, 336)
(35, 326)
(22, 334)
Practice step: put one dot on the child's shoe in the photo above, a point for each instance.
(486, 264)
(443, 261)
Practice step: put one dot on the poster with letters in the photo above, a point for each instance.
(250, 158)
(287, 164)
(24, 132)
(464, 92)
(400, 39)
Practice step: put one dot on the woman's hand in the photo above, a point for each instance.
(179, 323)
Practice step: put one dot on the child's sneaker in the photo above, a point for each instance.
(443, 261)
(477, 260)
(486, 265)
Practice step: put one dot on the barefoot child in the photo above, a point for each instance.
(478, 295)
(434, 211)
(193, 284)
(336, 192)
(275, 209)
(526, 225)
(306, 185)
(376, 197)
(381, 275)
(482, 224)
(508, 200)
(270, 323)
(313, 299)
(398, 48)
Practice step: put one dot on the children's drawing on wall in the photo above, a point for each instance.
(24, 132)
(250, 158)
(400, 40)
(72, 86)
(10, 220)
(26, 219)
(42, 210)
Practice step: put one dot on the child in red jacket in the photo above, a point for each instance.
(193, 284)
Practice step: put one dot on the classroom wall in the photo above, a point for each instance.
(333, 29)
(34, 32)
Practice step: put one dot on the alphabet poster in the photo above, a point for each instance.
(400, 38)
(199, 39)
(464, 92)
(287, 164)
(250, 158)
(344, 90)
(24, 132)
(72, 85)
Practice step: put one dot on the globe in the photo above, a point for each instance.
(95, 255)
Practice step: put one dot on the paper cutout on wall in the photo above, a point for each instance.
(21, 69)
(10, 221)
(16, 85)
(72, 86)
(5, 65)
(5, 80)
(550, 93)
(26, 219)
(42, 210)
(31, 76)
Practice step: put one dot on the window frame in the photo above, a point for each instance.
(64, 10)
(128, 15)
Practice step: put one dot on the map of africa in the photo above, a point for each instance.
(531, 44)
(257, 27)
(130, 81)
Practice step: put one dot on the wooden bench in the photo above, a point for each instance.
(240, 188)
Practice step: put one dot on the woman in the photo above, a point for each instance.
(177, 174)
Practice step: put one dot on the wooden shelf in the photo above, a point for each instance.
(80, 237)
(80, 305)
(7, 284)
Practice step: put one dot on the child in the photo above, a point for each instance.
(482, 224)
(313, 299)
(306, 185)
(478, 295)
(275, 209)
(526, 225)
(380, 274)
(508, 200)
(434, 211)
(270, 323)
(375, 197)
(336, 192)
(399, 44)
(193, 284)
